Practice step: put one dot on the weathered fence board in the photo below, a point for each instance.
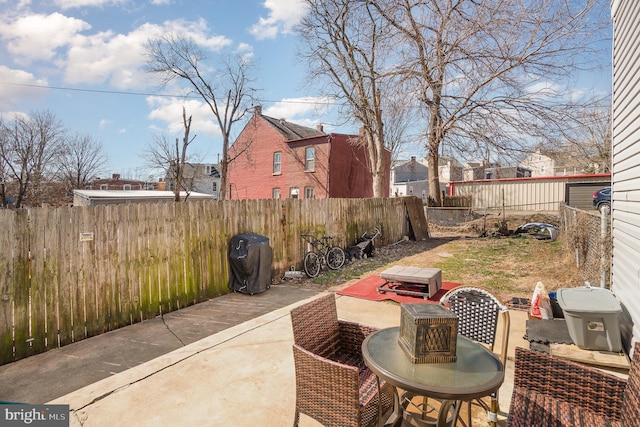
(70, 273)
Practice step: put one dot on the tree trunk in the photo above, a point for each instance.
(433, 145)
(224, 166)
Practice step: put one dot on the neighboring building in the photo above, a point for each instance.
(506, 172)
(409, 170)
(117, 183)
(539, 164)
(410, 178)
(625, 176)
(119, 197)
(449, 169)
(564, 160)
(274, 158)
(199, 177)
(478, 171)
(473, 171)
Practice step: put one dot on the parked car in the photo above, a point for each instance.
(602, 199)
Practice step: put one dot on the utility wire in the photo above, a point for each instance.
(167, 95)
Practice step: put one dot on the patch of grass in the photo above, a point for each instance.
(505, 265)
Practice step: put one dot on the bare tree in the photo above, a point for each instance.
(173, 158)
(80, 159)
(591, 139)
(3, 183)
(29, 146)
(224, 89)
(346, 47)
(490, 74)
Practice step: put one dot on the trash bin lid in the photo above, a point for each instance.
(588, 300)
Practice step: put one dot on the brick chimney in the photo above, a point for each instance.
(257, 110)
(320, 127)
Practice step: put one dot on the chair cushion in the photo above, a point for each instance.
(532, 409)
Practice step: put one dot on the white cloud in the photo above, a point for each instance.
(105, 56)
(305, 111)
(543, 88)
(290, 108)
(38, 36)
(104, 123)
(70, 4)
(100, 57)
(283, 16)
(120, 58)
(19, 4)
(169, 111)
(13, 89)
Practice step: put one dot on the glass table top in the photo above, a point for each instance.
(477, 372)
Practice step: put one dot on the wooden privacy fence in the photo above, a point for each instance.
(70, 273)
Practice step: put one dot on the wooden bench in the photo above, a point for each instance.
(550, 391)
(426, 281)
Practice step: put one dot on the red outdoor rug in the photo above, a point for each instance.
(367, 288)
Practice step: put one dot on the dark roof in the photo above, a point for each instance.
(292, 131)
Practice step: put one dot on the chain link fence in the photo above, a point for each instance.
(587, 235)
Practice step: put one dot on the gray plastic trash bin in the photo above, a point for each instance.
(592, 317)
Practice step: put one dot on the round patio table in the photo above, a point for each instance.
(476, 373)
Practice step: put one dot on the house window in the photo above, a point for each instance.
(126, 187)
(294, 193)
(215, 186)
(308, 192)
(277, 163)
(275, 193)
(310, 159)
(104, 187)
(88, 187)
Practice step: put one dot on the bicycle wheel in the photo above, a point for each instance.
(312, 264)
(335, 258)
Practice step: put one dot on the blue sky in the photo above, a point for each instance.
(93, 51)
(90, 46)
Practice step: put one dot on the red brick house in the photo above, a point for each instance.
(273, 158)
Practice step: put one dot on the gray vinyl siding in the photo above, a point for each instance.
(625, 267)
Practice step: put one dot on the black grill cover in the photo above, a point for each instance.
(250, 262)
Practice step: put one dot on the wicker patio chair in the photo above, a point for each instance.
(478, 313)
(333, 385)
(553, 392)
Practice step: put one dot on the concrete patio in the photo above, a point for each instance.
(241, 376)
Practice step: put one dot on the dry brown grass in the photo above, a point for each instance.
(508, 266)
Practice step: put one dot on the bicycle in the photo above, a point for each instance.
(321, 254)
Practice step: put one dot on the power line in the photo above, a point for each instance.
(167, 95)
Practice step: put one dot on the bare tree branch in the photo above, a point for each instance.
(346, 47)
(29, 147)
(173, 158)
(493, 74)
(81, 159)
(225, 90)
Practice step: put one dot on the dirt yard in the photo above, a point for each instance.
(480, 253)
